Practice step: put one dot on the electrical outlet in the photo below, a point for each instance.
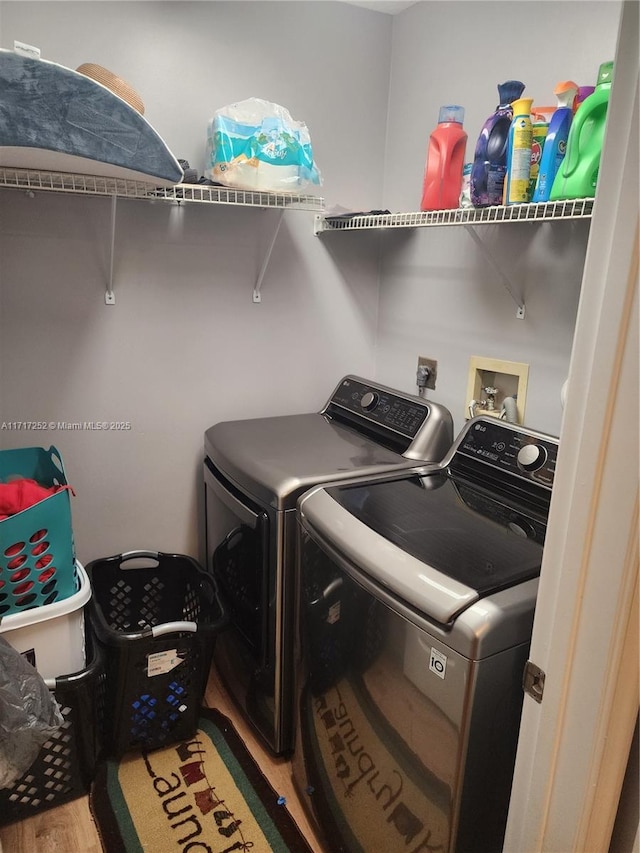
(432, 366)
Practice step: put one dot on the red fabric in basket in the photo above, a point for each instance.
(22, 493)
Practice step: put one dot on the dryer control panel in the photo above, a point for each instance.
(510, 448)
(410, 426)
(382, 407)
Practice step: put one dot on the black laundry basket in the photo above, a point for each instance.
(155, 617)
(66, 764)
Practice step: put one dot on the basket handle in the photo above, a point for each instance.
(142, 554)
(170, 628)
(326, 593)
(162, 630)
(56, 458)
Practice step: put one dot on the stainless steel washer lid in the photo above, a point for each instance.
(423, 545)
(424, 587)
(277, 459)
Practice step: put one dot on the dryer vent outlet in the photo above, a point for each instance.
(427, 372)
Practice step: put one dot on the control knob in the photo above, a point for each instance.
(368, 401)
(531, 457)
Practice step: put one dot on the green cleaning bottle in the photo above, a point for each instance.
(577, 174)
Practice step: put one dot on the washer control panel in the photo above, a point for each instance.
(380, 406)
(510, 448)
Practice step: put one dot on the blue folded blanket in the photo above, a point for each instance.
(56, 119)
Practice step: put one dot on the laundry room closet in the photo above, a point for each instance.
(184, 346)
(218, 311)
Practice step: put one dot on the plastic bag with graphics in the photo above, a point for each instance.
(257, 145)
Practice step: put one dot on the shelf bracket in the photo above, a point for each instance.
(257, 296)
(501, 275)
(110, 297)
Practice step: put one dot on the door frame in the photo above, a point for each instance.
(574, 745)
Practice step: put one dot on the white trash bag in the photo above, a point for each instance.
(29, 715)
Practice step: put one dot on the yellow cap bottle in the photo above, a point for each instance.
(519, 153)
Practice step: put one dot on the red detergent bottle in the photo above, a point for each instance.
(445, 161)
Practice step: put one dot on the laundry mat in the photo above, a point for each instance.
(202, 794)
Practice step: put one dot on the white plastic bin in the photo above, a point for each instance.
(52, 636)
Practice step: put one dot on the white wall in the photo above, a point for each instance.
(440, 297)
(184, 346)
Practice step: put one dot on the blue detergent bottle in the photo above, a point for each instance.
(490, 158)
(555, 145)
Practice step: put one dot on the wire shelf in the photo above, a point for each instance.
(225, 195)
(69, 183)
(64, 182)
(540, 212)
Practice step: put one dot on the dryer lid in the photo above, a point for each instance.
(365, 428)
(276, 459)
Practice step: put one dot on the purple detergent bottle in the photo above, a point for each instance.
(490, 158)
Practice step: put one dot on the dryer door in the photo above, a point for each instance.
(237, 555)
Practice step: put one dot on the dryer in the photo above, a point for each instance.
(254, 472)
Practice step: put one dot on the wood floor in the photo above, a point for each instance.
(70, 828)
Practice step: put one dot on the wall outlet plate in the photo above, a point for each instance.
(432, 364)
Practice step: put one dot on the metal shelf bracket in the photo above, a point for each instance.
(110, 297)
(257, 296)
(504, 280)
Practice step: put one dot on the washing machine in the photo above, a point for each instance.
(417, 594)
(254, 472)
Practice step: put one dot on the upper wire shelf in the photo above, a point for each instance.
(64, 182)
(540, 212)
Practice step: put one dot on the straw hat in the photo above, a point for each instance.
(117, 85)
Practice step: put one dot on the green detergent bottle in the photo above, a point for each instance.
(577, 175)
